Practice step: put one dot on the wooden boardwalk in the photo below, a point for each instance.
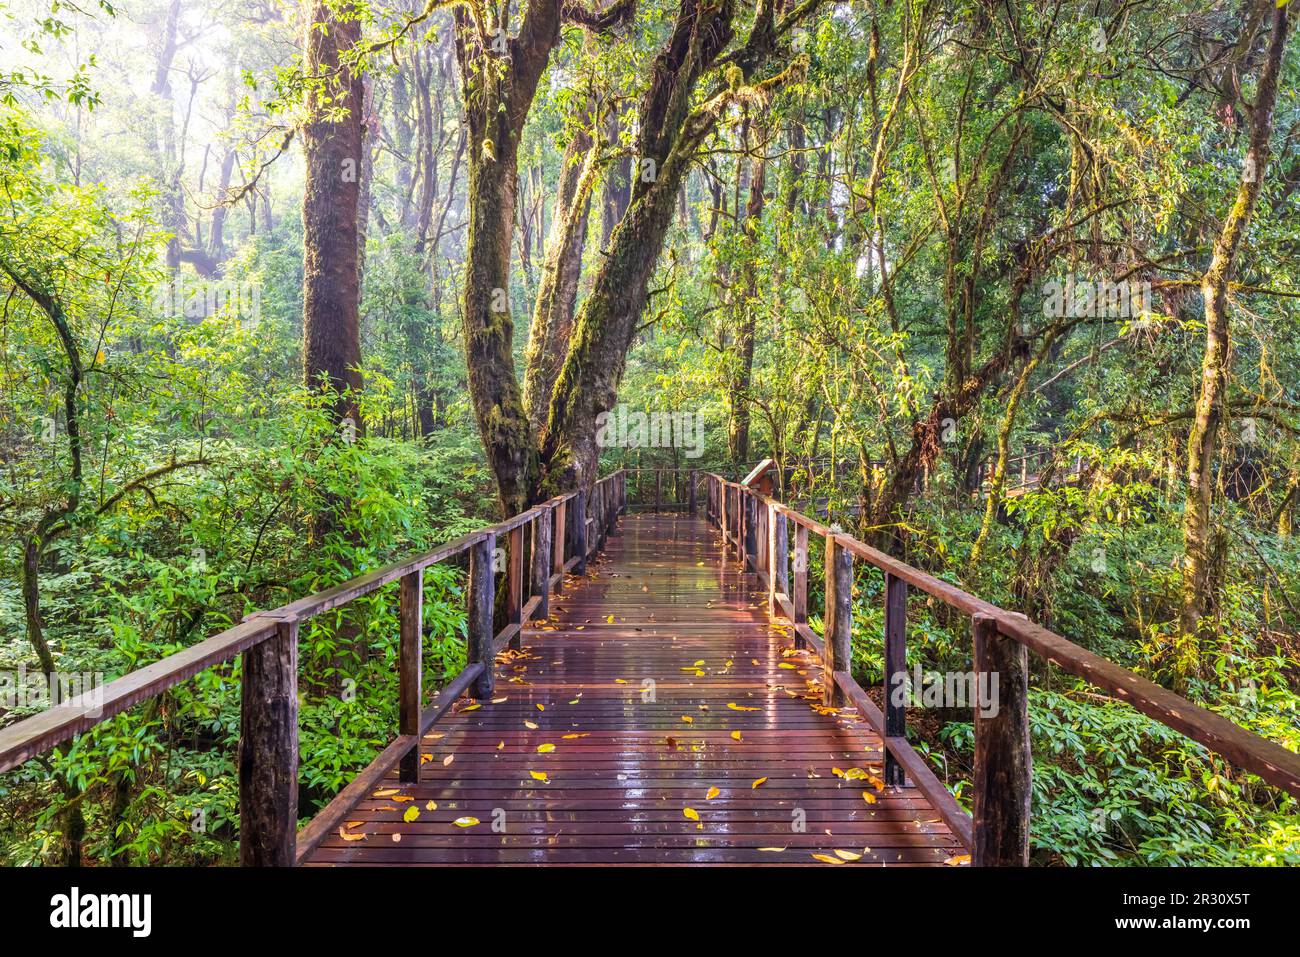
(660, 717)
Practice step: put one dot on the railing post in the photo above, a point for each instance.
(724, 521)
(690, 492)
(750, 553)
(799, 600)
(779, 573)
(481, 597)
(895, 672)
(1002, 760)
(659, 490)
(410, 614)
(580, 531)
(515, 584)
(268, 750)
(561, 530)
(542, 563)
(838, 618)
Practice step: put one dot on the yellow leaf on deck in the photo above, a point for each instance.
(827, 859)
(848, 855)
(472, 707)
(958, 861)
(774, 850)
(688, 719)
(411, 814)
(531, 726)
(431, 806)
(540, 707)
(868, 797)
(579, 734)
(501, 700)
(757, 783)
(448, 759)
(690, 813)
(403, 797)
(740, 707)
(501, 745)
(348, 836)
(545, 748)
(385, 792)
(609, 619)
(465, 821)
(539, 776)
(735, 735)
(711, 794)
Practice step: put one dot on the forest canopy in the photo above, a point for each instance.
(1008, 290)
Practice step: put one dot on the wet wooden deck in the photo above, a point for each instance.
(659, 692)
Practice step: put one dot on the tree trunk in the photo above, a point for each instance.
(1199, 589)
(552, 324)
(333, 153)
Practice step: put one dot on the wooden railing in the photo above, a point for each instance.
(756, 529)
(565, 532)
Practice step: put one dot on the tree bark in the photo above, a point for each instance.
(333, 150)
(1198, 589)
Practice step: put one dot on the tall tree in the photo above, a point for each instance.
(1198, 587)
(333, 145)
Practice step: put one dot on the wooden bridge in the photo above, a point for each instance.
(655, 695)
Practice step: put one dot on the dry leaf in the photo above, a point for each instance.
(711, 794)
(465, 821)
(411, 814)
(827, 859)
(545, 748)
(757, 783)
(690, 813)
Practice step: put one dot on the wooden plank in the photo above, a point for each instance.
(331, 598)
(329, 818)
(410, 696)
(268, 751)
(515, 581)
(895, 670)
(35, 735)
(838, 615)
(912, 764)
(541, 588)
(616, 786)
(480, 597)
(1002, 756)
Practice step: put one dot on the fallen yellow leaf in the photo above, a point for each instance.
(757, 783)
(411, 814)
(539, 776)
(465, 821)
(545, 748)
(711, 794)
(690, 813)
(827, 859)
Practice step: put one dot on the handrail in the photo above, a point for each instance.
(755, 527)
(566, 531)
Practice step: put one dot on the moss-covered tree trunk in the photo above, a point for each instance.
(1198, 588)
(332, 145)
